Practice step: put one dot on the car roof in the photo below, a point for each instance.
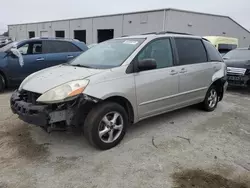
(56, 39)
(76, 42)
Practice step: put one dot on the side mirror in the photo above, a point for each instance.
(146, 64)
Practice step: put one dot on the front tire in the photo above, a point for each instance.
(211, 99)
(105, 125)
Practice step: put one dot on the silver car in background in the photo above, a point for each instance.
(123, 81)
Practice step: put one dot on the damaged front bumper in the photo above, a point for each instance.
(238, 80)
(44, 115)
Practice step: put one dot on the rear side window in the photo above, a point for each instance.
(60, 47)
(212, 52)
(71, 47)
(190, 51)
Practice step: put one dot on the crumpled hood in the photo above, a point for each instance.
(237, 63)
(49, 78)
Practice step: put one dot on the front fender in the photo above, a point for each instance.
(120, 87)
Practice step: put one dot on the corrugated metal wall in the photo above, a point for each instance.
(138, 23)
(205, 25)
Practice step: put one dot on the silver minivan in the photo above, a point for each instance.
(120, 82)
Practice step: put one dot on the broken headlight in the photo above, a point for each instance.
(64, 92)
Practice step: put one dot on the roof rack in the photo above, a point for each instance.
(152, 33)
(165, 32)
(61, 38)
(172, 32)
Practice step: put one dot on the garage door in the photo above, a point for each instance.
(44, 34)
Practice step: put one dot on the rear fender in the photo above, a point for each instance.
(222, 72)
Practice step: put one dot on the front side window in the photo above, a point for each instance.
(160, 51)
(109, 54)
(24, 49)
(190, 51)
(31, 48)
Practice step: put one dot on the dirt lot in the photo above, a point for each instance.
(183, 149)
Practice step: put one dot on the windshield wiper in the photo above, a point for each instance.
(79, 65)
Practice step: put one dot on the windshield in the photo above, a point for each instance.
(108, 54)
(8, 46)
(242, 54)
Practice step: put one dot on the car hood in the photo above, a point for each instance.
(238, 63)
(49, 78)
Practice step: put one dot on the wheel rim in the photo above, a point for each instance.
(110, 127)
(212, 99)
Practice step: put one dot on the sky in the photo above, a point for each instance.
(23, 11)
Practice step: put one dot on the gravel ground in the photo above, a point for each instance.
(182, 149)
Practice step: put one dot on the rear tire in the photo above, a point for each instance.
(105, 125)
(211, 99)
(2, 83)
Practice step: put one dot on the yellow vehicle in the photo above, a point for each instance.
(223, 44)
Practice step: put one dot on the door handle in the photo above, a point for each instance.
(173, 72)
(70, 56)
(40, 59)
(183, 70)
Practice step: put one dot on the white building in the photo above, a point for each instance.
(100, 28)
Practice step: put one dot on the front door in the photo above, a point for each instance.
(33, 57)
(157, 89)
(194, 69)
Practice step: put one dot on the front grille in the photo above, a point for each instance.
(29, 97)
(236, 71)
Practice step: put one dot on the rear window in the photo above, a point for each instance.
(190, 51)
(242, 54)
(213, 53)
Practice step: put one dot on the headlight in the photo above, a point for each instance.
(64, 92)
